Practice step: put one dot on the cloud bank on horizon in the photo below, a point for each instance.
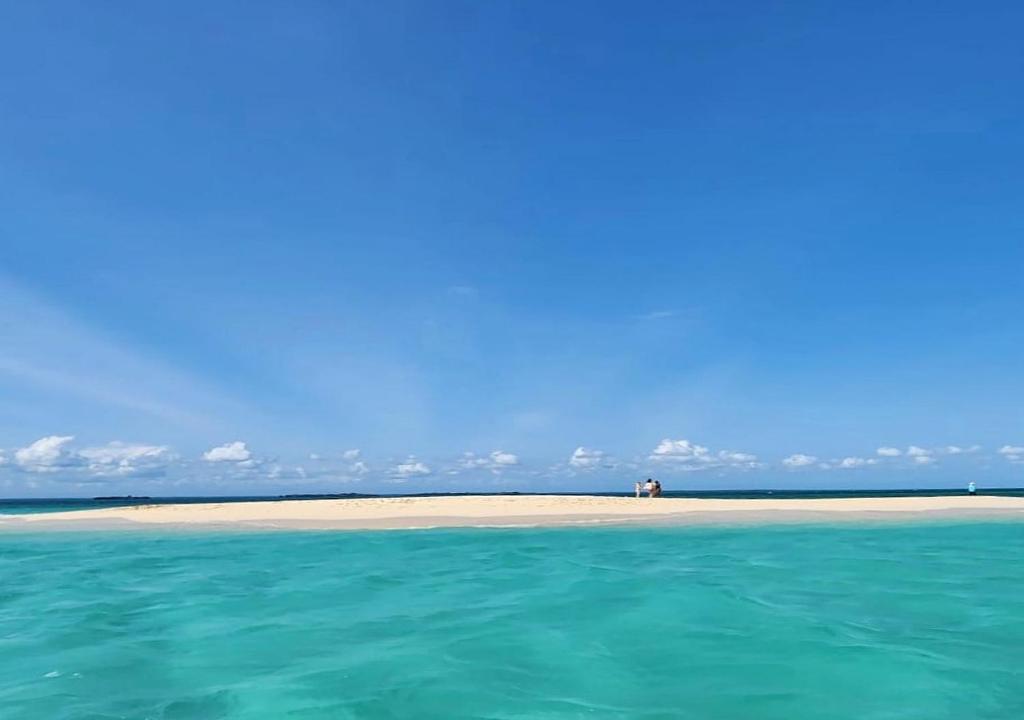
(57, 464)
(339, 256)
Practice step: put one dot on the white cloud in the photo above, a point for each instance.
(230, 452)
(855, 462)
(410, 468)
(48, 454)
(680, 451)
(587, 458)
(470, 461)
(889, 452)
(737, 458)
(351, 454)
(920, 455)
(685, 455)
(504, 459)
(799, 460)
(497, 461)
(118, 458)
(283, 473)
(960, 450)
(315, 457)
(1013, 453)
(359, 468)
(52, 454)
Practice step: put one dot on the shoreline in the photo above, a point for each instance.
(511, 511)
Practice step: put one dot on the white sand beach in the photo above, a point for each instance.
(515, 510)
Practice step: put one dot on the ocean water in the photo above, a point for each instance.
(866, 622)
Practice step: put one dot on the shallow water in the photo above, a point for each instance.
(866, 622)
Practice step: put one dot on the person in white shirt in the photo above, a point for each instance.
(638, 488)
(649, 487)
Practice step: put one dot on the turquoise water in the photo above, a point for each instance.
(866, 622)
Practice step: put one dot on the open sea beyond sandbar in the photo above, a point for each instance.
(873, 622)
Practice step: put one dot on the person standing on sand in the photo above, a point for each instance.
(657, 489)
(649, 487)
(637, 487)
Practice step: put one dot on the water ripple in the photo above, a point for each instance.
(833, 623)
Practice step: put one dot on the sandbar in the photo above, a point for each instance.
(515, 511)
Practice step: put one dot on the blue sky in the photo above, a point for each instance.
(266, 247)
